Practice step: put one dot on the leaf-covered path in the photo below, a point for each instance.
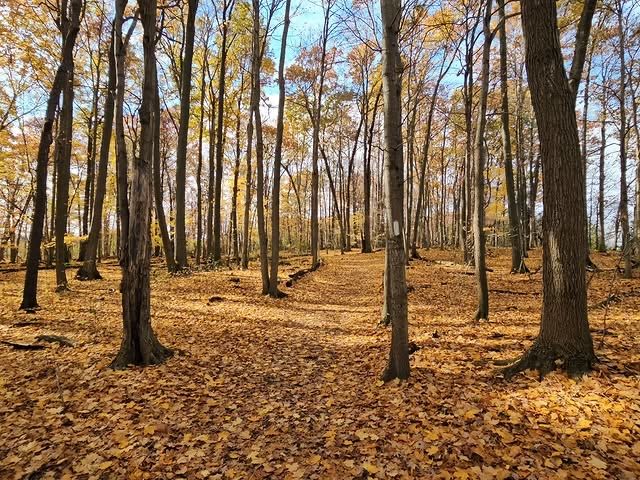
(263, 388)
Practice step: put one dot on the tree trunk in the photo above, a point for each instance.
(158, 194)
(256, 65)
(398, 365)
(236, 176)
(139, 343)
(199, 167)
(624, 196)
(479, 157)
(277, 160)
(564, 330)
(183, 132)
(89, 270)
(366, 239)
(122, 161)
(515, 232)
(227, 9)
(63, 161)
(602, 246)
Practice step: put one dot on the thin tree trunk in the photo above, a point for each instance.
(515, 232)
(277, 160)
(89, 270)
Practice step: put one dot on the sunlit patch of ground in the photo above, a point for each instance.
(288, 388)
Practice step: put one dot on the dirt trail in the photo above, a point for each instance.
(264, 388)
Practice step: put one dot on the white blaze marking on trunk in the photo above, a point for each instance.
(396, 228)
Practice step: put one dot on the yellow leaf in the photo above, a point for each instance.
(598, 463)
(314, 459)
(370, 468)
(149, 429)
(105, 465)
(583, 424)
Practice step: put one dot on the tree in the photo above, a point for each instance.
(29, 296)
(181, 153)
(277, 160)
(515, 232)
(564, 329)
(479, 157)
(398, 364)
(227, 10)
(63, 158)
(139, 343)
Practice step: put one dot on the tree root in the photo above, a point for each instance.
(88, 271)
(545, 359)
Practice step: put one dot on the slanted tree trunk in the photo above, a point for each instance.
(89, 270)
(277, 160)
(256, 66)
(398, 364)
(29, 294)
(564, 330)
(139, 343)
(183, 132)
(158, 194)
(515, 232)
(479, 157)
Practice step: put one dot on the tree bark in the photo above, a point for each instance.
(29, 295)
(89, 270)
(277, 160)
(398, 364)
(515, 232)
(140, 345)
(564, 330)
(227, 8)
(183, 132)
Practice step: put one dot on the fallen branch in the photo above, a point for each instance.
(64, 341)
(294, 277)
(22, 346)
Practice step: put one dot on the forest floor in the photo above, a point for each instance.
(289, 388)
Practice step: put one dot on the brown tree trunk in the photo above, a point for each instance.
(139, 343)
(158, 194)
(122, 161)
(199, 166)
(398, 364)
(564, 329)
(515, 232)
(227, 9)
(89, 270)
(256, 66)
(479, 157)
(183, 132)
(277, 160)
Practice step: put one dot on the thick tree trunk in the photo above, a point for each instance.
(139, 343)
(89, 270)
(564, 331)
(63, 162)
(277, 160)
(29, 295)
(515, 232)
(183, 132)
(398, 365)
